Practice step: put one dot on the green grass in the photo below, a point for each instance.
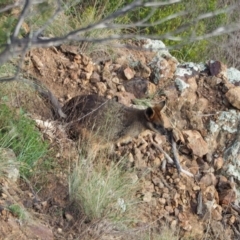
(19, 133)
(19, 212)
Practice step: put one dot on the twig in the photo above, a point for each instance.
(171, 161)
(50, 20)
(21, 18)
(200, 203)
(8, 7)
(175, 154)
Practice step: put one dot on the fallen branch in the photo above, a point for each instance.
(175, 161)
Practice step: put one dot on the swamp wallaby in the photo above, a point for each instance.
(109, 119)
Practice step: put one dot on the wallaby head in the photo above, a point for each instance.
(155, 117)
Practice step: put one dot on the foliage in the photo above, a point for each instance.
(79, 14)
(184, 26)
(18, 133)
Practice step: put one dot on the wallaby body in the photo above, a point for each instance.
(109, 119)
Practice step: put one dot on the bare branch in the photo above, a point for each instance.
(18, 45)
(9, 7)
(50, 20)
(21, 18)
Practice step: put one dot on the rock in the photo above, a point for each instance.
(137, 86)
(233, 96)
(208, 180)
(218, 163)
(143, 70)
(181, 84)
(85, 60)
(10, 165)
(162, 201)
(106, 74)
(78, 59)
(232, 157)
(196, 143)
(151, 89)
(89, 68)
(95, 77)
(69, 217)
(217, 68)
(147, 197)
(128, 73)
(139, 161)
(102, 88)
(125, 98)
(173, 225)
(116, 80)
(227, 194)
(233, 75)
(121, 88)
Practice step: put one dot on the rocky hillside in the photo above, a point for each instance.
(196, 197)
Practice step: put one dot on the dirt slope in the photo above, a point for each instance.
(202, 111)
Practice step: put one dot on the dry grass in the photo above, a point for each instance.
(103, 192)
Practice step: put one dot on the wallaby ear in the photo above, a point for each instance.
(149, 113)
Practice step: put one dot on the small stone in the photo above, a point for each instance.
(218, 163)
(69, 217)
(162, 201)
(173, 225)
(121, 88)
(217, 68)
(101, 88)
(85, 60)
(196, 188)
(159, 139)
(130, 158)
(157, 162)
(233, 96)
(165, 195)
(147, 197)
(151, 88)
(95, 77)
(116, 80)
(169, 209)
(128, 73)
(125, 98)
(196, 143)
(216, 213)
(232, 220)
(59, 230)
(89, 68)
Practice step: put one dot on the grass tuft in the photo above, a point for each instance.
(103, 192)
(19, 212)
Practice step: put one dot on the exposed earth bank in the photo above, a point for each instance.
(202, 111)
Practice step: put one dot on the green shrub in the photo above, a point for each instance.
(186, 27)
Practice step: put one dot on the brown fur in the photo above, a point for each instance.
(110, 120)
